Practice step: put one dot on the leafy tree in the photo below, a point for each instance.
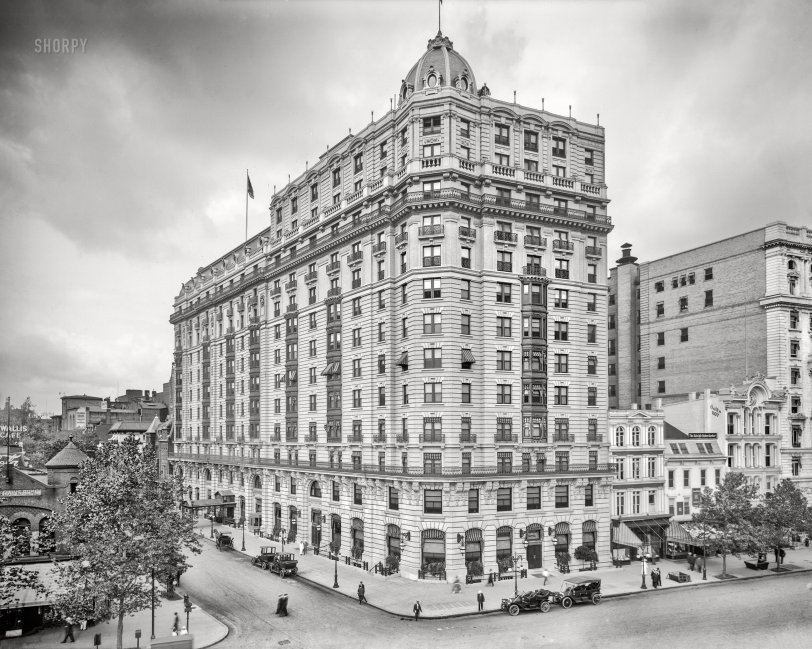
(724, 519)
(14, 578)
(40, 449)
(780, 515)
(126, 526)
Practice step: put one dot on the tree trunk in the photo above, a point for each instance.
(724, 564)
(120, 629)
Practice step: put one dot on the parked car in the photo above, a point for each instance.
(578, 589)
(284, 565)
(534, 600)
(223, 540)
(267, 555)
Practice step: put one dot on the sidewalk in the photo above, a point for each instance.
(396, 595)
(203, 627)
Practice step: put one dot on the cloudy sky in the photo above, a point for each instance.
(122, 162)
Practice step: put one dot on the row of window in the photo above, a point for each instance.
(683, 304)
(686, 477)
(683, 280)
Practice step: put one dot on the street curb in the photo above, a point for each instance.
(631, 593)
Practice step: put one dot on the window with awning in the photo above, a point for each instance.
(404, 360)
(467, 357)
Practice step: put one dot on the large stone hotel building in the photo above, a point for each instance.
(411, 360)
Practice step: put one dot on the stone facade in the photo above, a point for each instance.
(420, 333)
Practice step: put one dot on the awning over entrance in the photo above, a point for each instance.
(650, 527)
(623, 535)
(677, 533)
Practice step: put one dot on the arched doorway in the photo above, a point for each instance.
(357, 533)
(315, 528)
(504, 548)
(197, 493)
(335, 532)
(277, 521)
(292, 524)
(562, 539)
(534, 541)
(432, 549)
(473, 552)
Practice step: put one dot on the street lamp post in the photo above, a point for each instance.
(282, 537)
(704, 552)
(643, 574)
(516, 559)
(335, 573)
(211, 535)
(152, 594)
(243, 534)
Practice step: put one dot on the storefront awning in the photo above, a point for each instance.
(562, 528)
(623, 535)
(433, 534)
(677, 533)
(467, 356)
(473, 535)
(590, 526)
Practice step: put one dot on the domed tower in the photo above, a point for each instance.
(440, 66)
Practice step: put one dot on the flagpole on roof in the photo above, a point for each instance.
(249, 191)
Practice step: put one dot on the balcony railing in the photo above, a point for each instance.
(572, 469)
(467, 438)
(505, 237)
(334, 267)
(312, 437)
(379, 438)
(534, 240)
(334, 292)
(563, 437)
(292, 308)
(534, 269)
(401, 238)
(435, 230)
(311, 277)
(500, 170)
(402, 439)
(501, 438)
(355, 257)
(467, 233)
(379, 247)
(431, 261)
(562, 244)
(594, 437)
(355, 438)
(592, 251)
(432, 439)
(562, 273)
(290, 286)
(277, 290)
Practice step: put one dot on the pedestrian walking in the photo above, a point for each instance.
(480, 601)
(68, 630)
(301, 548)
(362, 598)
(456, 587)
(417, 610)
(279, 604)
(655, 578)
(546, 574)
(284, 612)
(691, 561)
(176, 625)
(490, 579)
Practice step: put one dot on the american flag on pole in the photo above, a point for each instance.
(250, 188)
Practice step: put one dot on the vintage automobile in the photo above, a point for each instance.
(223, 540)
(534, 600)
(284, 565)
(266, 556)
(577, 589)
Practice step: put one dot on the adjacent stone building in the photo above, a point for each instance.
(735, 310)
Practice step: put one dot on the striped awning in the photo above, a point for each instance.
(677, 533)
(404, 360)
(327, 370)
(562, 528)
(623, 535)
(590, 526)
(467, 356)
(392, 530)
(433, 534)
(473, 535)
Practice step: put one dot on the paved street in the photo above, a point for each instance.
(763, 613)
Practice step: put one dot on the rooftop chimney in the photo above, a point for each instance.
(626, 255)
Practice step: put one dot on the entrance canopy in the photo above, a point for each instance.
(676, 533)
(623, 535)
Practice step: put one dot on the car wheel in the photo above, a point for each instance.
(545, 607)
(293, 572)
(513, 609)
(596, 599)
(566, 602)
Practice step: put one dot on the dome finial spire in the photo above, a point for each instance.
(439, 17)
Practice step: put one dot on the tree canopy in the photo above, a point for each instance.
(781, 514)
(14, 578)
(125, 525)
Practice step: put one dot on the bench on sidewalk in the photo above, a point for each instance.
(679, 577)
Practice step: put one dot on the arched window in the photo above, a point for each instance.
(257, 482)
(315, 489)
(206, 475)
(589, 534)
(504, 547)
(791, 265)
(620, 434)
(635, 436)
(652, 436)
